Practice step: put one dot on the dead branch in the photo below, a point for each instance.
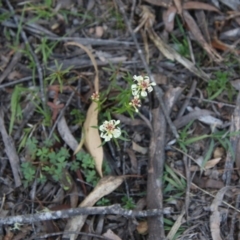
(156, 165)
(51, 215)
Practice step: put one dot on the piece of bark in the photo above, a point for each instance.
(156, 164)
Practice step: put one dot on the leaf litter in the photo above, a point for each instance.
(184, 42)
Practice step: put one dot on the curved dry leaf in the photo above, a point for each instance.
(104, 187)
(66, 134)
(218, 44)
(212, 163)
(200, 6)
(92, 140)
(168, 18)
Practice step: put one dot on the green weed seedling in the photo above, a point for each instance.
(29, 173)
(41, 11)
(219, 84)
(117, 16)
(183, 136)
(173, 185)
(182, 46)
(88, 165)
(168, 224)
(217, 137)
(45, 48)
(128, 202)
(103, 202)
(79, 117)
(30, 62)
(58, 75)
(50, 163)
(81, 13)
(53, 163)
(16, 111)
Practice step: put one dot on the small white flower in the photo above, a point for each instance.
(109, 130)
(136, 103)
(138, 78)
(143, 85)
(95, 96)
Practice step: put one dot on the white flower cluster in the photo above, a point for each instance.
(141, 88)
(109, 129)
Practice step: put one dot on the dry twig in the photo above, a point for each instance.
(10, 151)
(51, 215)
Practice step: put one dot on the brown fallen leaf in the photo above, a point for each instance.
(218, 44)
(204, 183)
(168, 18)
(142, 227)
(92, 140)
(111, 235)
(178, 4)
(212, 163)
(138, 148)
(193, 27)
(104, 187)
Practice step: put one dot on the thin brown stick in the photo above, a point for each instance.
(10, 151)
(235, 144)
(187, 100)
